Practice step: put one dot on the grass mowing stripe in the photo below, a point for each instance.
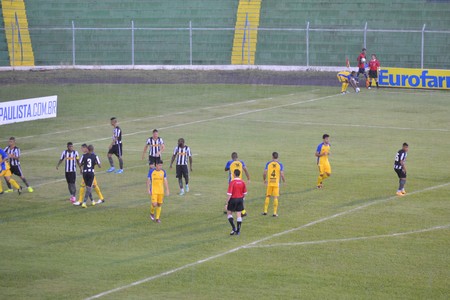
(354, 238)
(37, 151)
(252, 245)
(158, 116)
(353, 125)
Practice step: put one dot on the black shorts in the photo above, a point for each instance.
(16, 170)
(400, 173)
(116, 149)
(373, 74)
(361, 71)
(153, 160)
(71, 177)
(182, 171)
(88, 178)
(236, 204)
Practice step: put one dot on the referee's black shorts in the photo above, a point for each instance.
(116, 149)
(236, 204)
(400, 173)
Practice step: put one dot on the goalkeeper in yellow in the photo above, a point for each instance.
(322, 153)
(346, 78)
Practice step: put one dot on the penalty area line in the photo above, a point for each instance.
(250, 245)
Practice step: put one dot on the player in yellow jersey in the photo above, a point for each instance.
(156, 181)
(6, 172)
(322, 153)
(84, 150)
(273, 172)
(236, 164)
(346, 78)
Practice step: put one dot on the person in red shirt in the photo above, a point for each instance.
(361, 64)
(374, 66)
(235, 202)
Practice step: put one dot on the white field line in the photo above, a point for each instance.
(354, 125)
(158, 116)
(157, 276)
(352, 238)
(37, 151)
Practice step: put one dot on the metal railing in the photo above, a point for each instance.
(308, 46)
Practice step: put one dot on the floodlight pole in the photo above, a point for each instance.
(13, 42)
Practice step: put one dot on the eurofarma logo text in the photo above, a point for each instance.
(414, 78)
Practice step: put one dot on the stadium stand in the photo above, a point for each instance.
(53, 47)
(331, 48)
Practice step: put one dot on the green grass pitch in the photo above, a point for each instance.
(352, 240)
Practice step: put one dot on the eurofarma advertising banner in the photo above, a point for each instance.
(414, 78)
(28, 109)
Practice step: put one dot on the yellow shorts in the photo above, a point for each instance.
(158, 198)
(342, 79)
(273, 191)
(6, 173)
(324, 168)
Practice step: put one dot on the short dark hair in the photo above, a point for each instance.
(91, 148)
(69, 144)
(237, 172)
(155, 130)
(113, 118)
(275, 155)
(364, 49)
(12, 138)
(84, 145)
(405, 145)
(234, 155)
(160, 162)
(325, 136)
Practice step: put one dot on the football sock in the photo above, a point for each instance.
(158, 212)
(82, 191)
(99, 192)
(121, 163)
(402, 184)
(152, 209)
(25, 181)
(319, 180)
(1, 187)
(377, 83)
(344, 86)
(86, 194)
(275, 206)
(180, 183)
(266, 204)
(14, 184)
(231, 220)
(239, 223)
(72, 189)
(111, 162)
(8, 184)
(324, 176)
